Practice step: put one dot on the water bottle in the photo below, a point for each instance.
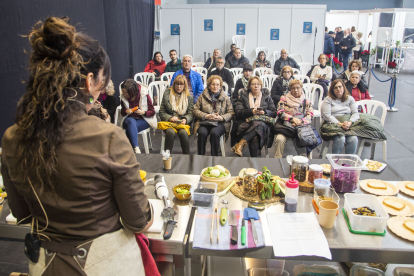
(292, 193)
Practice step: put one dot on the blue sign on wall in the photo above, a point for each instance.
(241, 29)
(208, 25)
(175, 29)
(274, 34)
(307, 27)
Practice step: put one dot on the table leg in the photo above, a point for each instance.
(179, 265)
(197, 265)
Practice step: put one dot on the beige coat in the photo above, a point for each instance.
(204, 106)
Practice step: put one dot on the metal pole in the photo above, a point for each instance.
(370, 75)
(205, 57)
(394, 83)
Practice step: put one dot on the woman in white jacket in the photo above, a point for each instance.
(322, 74)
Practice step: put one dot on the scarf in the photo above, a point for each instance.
(179, 103)
(244, 81)
(323, 67)
(102, 97)
(285, 85)
(256, 103)
(214, 97)
(294, 103)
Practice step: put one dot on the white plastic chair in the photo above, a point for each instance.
(226, 88)
(262, 71)
(276, 56)
(304, 67)
(236, 78)
(371, 106)
(295, 71)
(198, 64)
(146, 135)
(302, 78)
(145, 77)
(200, 70)
(268, 80)
(157, 88)
(264, 49)
(204, 78)
(310, 90)
(236, 71)
(296, 57)
(240, 41)
(168, 76)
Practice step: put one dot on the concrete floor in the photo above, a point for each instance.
(399, 127)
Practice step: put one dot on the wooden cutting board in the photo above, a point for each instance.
(307, 187)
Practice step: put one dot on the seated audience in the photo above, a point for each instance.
(291, 115)
(347, 43)
(322, 74)
(283, 61)
(211, 62)
(177, 105)
(354, 65)
(261, 61)
(156, 66)
(175, 64)
(242, 82)
(357, 89)
(231, 53)
(280, 86)
(254, 100)
(108, 101)
(194, 80)
(213, 113)
(223, 72)
(339, 103)
(237, 60)
(135, 95)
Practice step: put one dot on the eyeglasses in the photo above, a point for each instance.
(179, 84)
(219, 62)
(287, 72)
(255, 84)
(215, 84)
(296, 88)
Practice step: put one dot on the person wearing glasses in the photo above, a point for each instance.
(223, 72)
(261, 61)
(280, 86)
(213, 112)
(255, 100)
(339, 103)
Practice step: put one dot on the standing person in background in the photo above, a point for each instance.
(175, 64)
(347, 44)
(156, 66)
(211, 62)
(338, 37)
(329, 46)
(357, 49)
(283, 61)
(353, 32)
(194, 80)
(231, 53)
(261, 61)
(326, 30)
(237, 60)
(223, 72)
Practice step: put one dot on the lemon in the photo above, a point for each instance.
(143, 174)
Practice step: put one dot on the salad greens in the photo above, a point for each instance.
(270, 184)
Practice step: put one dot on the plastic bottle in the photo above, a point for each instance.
(292, 193)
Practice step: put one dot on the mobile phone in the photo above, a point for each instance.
(260, 108)
(179, 121)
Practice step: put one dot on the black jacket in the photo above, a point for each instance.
(279, 64)
(229, 55)
(277, 90)
(210, 64)
(225, 75)
(345, 77)
(243, 110)
(339, 36)
(360, 85)
(235, 96)
(348, 42)
(232, 62)
(329, 46)
(110, 105)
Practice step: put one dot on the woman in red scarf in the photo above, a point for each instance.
(156, 66)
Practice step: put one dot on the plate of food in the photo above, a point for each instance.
(378, 187)
(373, 166)
(397, 206)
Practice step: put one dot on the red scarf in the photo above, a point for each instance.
(102, 97)
(147, 258)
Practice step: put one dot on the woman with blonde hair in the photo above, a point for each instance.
(280, 86)
(108, 100)
(354, 65)
(177, 109)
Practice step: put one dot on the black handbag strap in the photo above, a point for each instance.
(304, 107)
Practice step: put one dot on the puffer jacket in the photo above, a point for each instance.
(329, 46)
(348, 42)
(233, 62)
(167, 112)
(204, 106)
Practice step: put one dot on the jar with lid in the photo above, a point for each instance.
(315, 172)
(250, 182)
(299, 167)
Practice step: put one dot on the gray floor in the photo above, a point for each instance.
(399, 128)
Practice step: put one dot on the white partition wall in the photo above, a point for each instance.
(259, 20)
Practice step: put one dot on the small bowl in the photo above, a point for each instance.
(222, 182)
(182, 196)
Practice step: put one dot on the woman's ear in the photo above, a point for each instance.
(89, 81)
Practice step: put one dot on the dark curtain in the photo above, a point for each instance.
(125, 28)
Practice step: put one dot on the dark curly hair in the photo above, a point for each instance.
(58, 65)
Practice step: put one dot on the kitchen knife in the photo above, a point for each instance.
(169, 226)
(252, 215)
(233, 224)
(243, 233)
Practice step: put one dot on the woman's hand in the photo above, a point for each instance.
(219, 118)
(258, 112)
(184, 121)
(209, 117)
(128, 111)
(139, 112)
(296, 121)
(173, 119)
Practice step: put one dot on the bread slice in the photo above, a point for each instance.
(376, 184)
(410, 186)
(409, 224)
(394, 204)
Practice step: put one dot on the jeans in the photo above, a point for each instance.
(345, 58)
(215, 133)
(350, 143)
(338, 52)
(132, 126)
(280, 144)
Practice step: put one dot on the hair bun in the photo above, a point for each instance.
(55, 39)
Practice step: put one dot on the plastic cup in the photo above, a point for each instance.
(327, 213)
(167, 163)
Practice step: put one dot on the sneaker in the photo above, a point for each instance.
(137, 150)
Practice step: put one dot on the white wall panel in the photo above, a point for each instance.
(344, 20)
(302, 43)
(363, 27)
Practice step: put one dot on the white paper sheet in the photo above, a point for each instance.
(297, 234)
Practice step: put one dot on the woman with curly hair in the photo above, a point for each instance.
(73, 176)
(107, 100)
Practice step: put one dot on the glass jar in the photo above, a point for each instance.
(315, 172)
(250, 182)
(299, 167)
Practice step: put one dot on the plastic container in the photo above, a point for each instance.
(365, 223)
(299, 167)
(292, 193)
(204, 200)
(358, 270)
(345, 171)
(266, 272)
(322, 183)
(323, 193)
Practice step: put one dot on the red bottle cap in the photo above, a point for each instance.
(292, 182)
